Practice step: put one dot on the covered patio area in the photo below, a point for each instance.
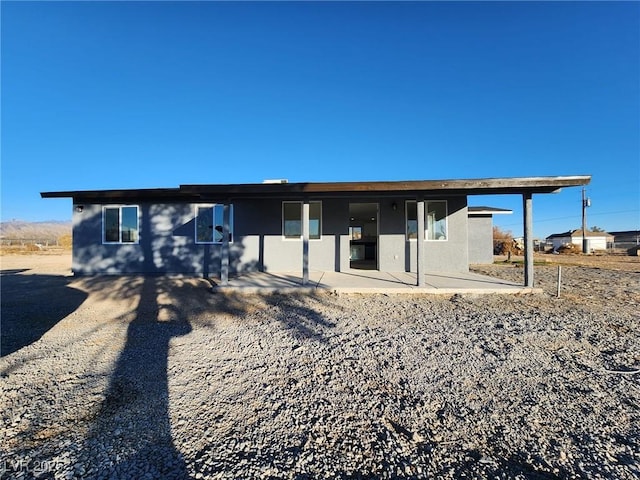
(369, 281)
(417, 226)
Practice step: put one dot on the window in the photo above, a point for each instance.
(292, 220)
(435, 222)
(355, 233)
(412, 220)
(120, 224)
(210, 221)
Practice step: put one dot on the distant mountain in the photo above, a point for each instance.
(50, 230)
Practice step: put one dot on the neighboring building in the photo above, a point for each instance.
(595, 240)
(628, 241)
(481, 233)
(631, 237)
(221, 229)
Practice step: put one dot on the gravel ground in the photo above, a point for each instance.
(160, 378)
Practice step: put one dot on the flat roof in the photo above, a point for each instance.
(479, 186)
(476, 210)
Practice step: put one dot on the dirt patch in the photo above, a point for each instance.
(58, 263)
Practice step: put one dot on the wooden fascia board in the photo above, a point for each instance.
(102, 196)
(454, 187)
(401, 188)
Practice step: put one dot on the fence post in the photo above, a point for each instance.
(559, 280)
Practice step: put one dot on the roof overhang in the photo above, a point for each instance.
(472, 210)
(138, 194)
(482, 186)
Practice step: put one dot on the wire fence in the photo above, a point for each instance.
(623, 247)
(46, 241)
(29, 244)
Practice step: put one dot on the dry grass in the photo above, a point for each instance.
(31, 249)
(623, 263)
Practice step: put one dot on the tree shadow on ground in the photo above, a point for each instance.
(297, 316)
(131, 434)
(31, 305)
(295, 312)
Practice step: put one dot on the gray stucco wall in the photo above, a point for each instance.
(258, 232)
(450, 255)
(480, 239)
(166, 243)
(167, 240)
(391, 243)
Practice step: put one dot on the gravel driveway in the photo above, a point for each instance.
(132, 377)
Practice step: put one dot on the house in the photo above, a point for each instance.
(595, 240)
(481, 232)
(218, 229)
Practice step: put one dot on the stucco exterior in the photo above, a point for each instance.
(403, 225)
(448, 255)
(167, 243)
(480, 239)
(481, 233)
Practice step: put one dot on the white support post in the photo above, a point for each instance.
(224, 254)
(527, 204)
(305, 242)
(420, 247)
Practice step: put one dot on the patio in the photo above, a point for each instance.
(370, 281)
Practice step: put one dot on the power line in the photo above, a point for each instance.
(573, 216)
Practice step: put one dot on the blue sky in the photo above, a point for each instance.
(156, 94)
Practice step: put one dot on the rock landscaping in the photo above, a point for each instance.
(136, 378)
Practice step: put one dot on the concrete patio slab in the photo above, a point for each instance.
(370, 281)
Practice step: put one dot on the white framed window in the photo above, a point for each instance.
(435, 220)
(120, 224)
(355, 233)
(209, 223)
(292, 220)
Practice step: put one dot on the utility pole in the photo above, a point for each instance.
(586, 202)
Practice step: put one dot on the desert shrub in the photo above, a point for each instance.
(504, 243)
(569, 248)
(65, 241)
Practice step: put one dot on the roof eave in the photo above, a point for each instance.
(116, 194)
(483, 186)
(461, 187)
